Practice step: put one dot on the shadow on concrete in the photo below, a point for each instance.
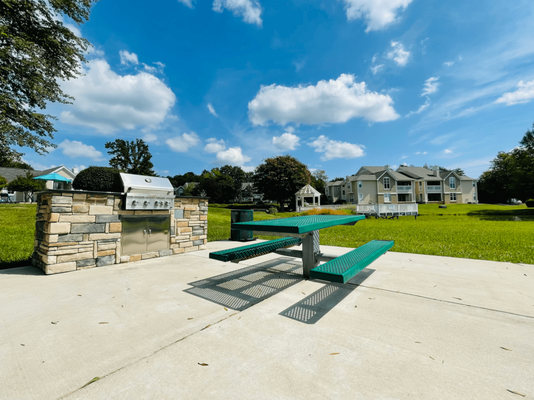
(315, 306)
(22, 270)
(248, 286)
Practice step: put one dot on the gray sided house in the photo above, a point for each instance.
(436, 186)
(406, 185)
(12, 173)
(335, 191)
(381, 185)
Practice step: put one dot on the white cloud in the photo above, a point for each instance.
(214, 146)
(335, 149)
(299, 65)
(128, 58)
(250, 10)
(398, 54)
(422, 108)
(232, 156)
(524, 94)
(153, 70)
(150, 138)
(421, 152)
(109, 102)
(375, 69)
(447, 151)
(448, 63)
(286, 141)
(182, 144)
(431, 86)
(333, 101)
(75, 149)
(404, 157)
(93, 51)
(187, 3)
(376, 13)
(212, 110)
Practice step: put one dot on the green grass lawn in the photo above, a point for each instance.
(462, 230)
(17, 230)
(466, 234)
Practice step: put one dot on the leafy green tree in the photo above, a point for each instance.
(279, 178)
(511, 174)
(180, 180)
(3, 182)
(318, 181)
(12, 159)
(131, 157)
(37, 51)
(220, 188)
(26, 183)
(237, 175)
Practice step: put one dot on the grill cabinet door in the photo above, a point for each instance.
(158, 232)
(134, 235)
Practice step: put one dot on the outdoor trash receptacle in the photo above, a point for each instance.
(241, 216)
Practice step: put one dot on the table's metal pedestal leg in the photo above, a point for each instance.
(310, 251)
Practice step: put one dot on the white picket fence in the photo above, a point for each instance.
(374, 209)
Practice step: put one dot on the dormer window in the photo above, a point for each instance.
(452, 182)
(387, 183)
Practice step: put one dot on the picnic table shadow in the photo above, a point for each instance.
(246, 287)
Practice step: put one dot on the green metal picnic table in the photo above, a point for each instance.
(305, 227)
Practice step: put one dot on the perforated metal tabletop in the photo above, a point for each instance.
(298, 225)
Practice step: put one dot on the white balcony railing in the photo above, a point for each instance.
(404, 189)
(433, 188)
(375, 209)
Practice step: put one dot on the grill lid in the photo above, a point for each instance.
(146, 184)
(147, 192)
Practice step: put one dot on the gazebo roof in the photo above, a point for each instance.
(307, 191)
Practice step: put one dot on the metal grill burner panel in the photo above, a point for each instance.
(147, 192)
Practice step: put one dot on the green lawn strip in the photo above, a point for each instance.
(460, 236)
(475, 209)
(17, 222)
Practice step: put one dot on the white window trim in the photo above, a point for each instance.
(455, 197)
(389, 183)
(387, 197)
(452, 182)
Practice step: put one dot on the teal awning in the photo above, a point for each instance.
(53, 177)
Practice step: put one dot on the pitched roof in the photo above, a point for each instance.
(374, 173)
(427, 174)
(308, 191)
(12, 173)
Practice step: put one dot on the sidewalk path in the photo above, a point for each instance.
(183, 327)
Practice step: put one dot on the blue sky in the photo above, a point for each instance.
(337, 84)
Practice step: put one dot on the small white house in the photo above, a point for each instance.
(12, 173)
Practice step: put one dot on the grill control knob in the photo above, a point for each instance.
(166, 204)
(134, 202)
(145, 203)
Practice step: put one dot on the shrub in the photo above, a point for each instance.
(102, 179)
(273, 210)
(530, 203)
(325, 211)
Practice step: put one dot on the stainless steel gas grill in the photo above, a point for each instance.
(146, 233)
(147, 192)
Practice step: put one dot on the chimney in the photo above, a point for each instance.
(435, 169)
(75, 171)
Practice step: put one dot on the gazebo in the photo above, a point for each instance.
(307, 191)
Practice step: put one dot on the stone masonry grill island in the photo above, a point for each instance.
(85, 229)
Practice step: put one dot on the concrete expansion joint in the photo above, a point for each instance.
(94, 379)
(443, 301)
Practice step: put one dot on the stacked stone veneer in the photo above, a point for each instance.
(78, 230)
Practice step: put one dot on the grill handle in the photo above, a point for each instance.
(149, 232)
(144, 232)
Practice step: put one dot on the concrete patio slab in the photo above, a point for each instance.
(409, 326)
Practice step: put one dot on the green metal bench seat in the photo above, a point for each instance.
(254, 250)
(345, 267)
